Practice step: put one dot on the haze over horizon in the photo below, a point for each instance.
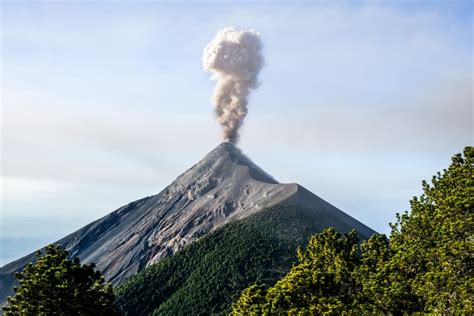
(105, 103)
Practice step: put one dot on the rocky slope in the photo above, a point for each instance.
(221, 188)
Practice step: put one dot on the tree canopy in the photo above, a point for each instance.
(55, 285)
(425, 266)
(321, 282)
(433, 245)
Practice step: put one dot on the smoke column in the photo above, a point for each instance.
(234, 57)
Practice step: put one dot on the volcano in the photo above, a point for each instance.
(224, 187)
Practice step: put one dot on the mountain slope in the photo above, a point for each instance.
(208, 275)
(221, 188)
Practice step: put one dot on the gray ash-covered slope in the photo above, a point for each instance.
(223, 187)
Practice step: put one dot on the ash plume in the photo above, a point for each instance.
(234, 57)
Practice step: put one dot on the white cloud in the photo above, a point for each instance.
(437, 120)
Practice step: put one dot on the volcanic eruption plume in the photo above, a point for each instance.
(234, 57)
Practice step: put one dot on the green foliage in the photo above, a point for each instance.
(426, 266)
(55, 285)
(433, 246)
(321, 283)
(208, 275)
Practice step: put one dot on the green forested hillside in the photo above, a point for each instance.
(208, 275)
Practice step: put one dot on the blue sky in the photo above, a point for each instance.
(105, 102)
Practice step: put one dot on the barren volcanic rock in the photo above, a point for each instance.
(223, 187)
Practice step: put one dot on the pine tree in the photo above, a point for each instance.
(55, 285)
(433, 245)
